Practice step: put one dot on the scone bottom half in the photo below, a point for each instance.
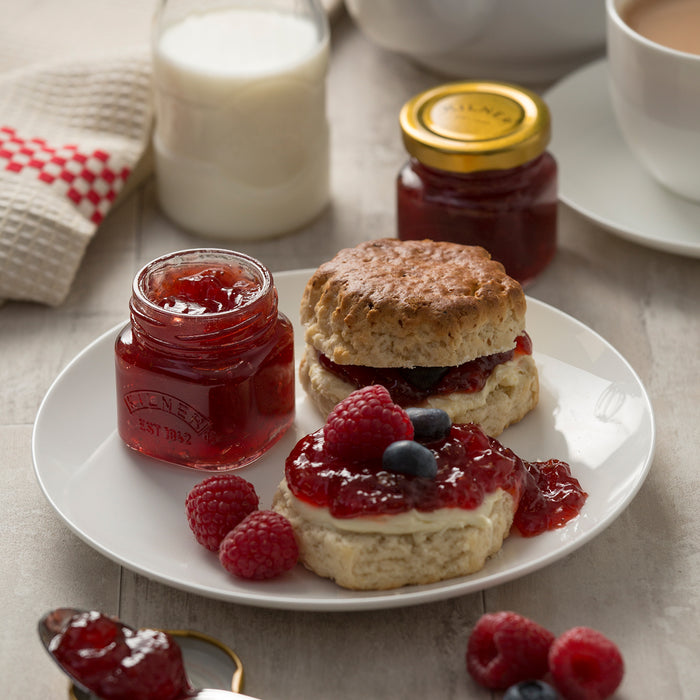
(370, 523)
(439, 324)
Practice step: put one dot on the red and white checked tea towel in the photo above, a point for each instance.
(71, 135)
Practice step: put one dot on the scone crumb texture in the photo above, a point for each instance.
(392, 303)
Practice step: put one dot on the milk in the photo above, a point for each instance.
(241, 140)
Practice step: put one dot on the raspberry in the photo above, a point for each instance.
(260, 547)
(216, 505)
(505, 648)
(362, 425)
(585, 665)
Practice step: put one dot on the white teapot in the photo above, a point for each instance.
(525, 41)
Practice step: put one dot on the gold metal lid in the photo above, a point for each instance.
(470, 126)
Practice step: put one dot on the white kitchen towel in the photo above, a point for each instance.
(72, 134)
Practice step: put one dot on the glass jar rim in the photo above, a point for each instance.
(202, 255)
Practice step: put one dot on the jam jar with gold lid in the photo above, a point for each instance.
(205, 366)
(479, 173)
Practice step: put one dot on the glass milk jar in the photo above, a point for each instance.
(241, 139)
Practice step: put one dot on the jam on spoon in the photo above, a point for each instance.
(113, 661)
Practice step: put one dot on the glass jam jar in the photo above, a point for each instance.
(479, 173)
(205, 368)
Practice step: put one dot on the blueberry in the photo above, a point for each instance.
(531, 690)
(429, 424)
(410, 457)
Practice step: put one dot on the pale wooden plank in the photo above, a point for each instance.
(44, 566)
(415, 652)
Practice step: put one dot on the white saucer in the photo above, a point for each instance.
(601, 179)
(593, 413)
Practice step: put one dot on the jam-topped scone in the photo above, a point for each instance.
(439, 324)
(381, 498)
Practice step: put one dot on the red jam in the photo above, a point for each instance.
(470, 465)
(512, 213)
(205, 368)
(117, 662)
(410, 386)
(207, 290)
(551, 497)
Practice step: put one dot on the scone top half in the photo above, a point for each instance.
(392, 303)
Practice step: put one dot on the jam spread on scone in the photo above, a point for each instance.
(470, 465)
(409, 386)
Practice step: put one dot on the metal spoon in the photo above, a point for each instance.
(52, 624)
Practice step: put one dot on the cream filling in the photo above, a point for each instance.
(409, 522)
(507, 374)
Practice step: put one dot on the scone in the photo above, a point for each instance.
(381, 497)
(426, 553)
(371, 529)
(439, 324)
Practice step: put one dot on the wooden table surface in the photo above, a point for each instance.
(638, 581)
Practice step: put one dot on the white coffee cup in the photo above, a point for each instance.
(655, 93)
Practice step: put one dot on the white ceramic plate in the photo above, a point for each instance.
(593, 413)
(601, 179)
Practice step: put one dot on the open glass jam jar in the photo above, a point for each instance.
(479, 173)
(205, 368)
